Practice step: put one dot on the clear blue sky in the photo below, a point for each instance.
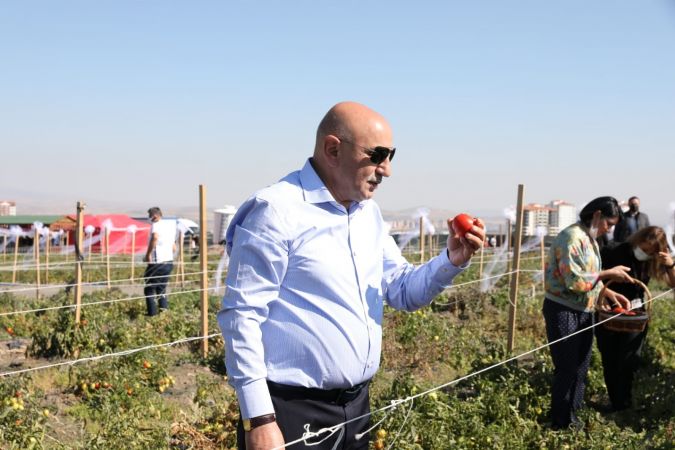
(140, 101)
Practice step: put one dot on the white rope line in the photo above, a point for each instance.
(405, 421)
(397, 402)
(482, 279)
(471, 282)
(58, 266)
(126, 299)
(199, 290)
(108, 355)
(97, 283)
(31, 264)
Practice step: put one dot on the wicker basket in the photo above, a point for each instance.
(621, 322)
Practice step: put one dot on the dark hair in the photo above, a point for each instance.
(655, 237)
(608, 207)
(155, 211)
(633, 198)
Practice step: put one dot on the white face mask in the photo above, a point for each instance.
(640, 254)
(593, 231)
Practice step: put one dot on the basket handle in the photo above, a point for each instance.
(648, 294)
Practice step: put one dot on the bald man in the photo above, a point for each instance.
(311, 265)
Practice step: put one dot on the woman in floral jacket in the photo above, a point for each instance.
(573, 281)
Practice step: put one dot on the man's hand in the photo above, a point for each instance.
(461, 249)
(264, 437)
(617, 273)
(613, 299)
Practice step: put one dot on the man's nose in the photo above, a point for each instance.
(384, 168)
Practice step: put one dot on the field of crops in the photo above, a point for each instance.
(68, 386)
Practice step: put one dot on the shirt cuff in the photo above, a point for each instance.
(254, 399)
(445, 271)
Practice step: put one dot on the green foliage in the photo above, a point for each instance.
(131, 401)
(22, 420)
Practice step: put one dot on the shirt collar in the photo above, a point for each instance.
(314, 189)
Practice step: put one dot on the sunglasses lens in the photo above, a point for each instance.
(380, 154)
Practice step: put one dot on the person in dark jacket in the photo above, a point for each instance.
(647, 255)
(632, 221)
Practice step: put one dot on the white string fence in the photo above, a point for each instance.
(395, 403)
(109, 355)
(215, 289)
(331, 430)
(100, 282)
(29, 263)
(102, 302)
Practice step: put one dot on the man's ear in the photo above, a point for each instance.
(331, 149)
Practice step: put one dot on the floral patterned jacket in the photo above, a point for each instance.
(572, 269)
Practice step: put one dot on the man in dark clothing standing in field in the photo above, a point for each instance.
(632, 221)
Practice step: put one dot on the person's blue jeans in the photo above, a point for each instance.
(156, 279)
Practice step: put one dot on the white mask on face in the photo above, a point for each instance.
(640, 254)
(593, 231)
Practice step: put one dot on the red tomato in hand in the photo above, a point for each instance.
(462, 223)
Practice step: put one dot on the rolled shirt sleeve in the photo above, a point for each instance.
(410, 287)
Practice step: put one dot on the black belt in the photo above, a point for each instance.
(336, 396)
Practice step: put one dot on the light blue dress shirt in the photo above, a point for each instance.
(306, 287)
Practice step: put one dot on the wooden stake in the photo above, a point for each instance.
(203, 276)
(133, 254)
(509, 247)
(480, 264)
(4, 248)
(48, 243)
(513, 294)
(181, 263)
(543, 264)
(421, 240)
(431, 244)
(16, 256)
(90, 238)
(36, 247)
(67, 243)
(78, 263)
(107, 255)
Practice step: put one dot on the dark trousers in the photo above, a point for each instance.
(295, 407)
(620, 357)
(157, 277)
(571, 358)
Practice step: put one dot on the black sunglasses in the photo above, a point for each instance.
(377, 154)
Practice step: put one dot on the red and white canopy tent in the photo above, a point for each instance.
(126, 234)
